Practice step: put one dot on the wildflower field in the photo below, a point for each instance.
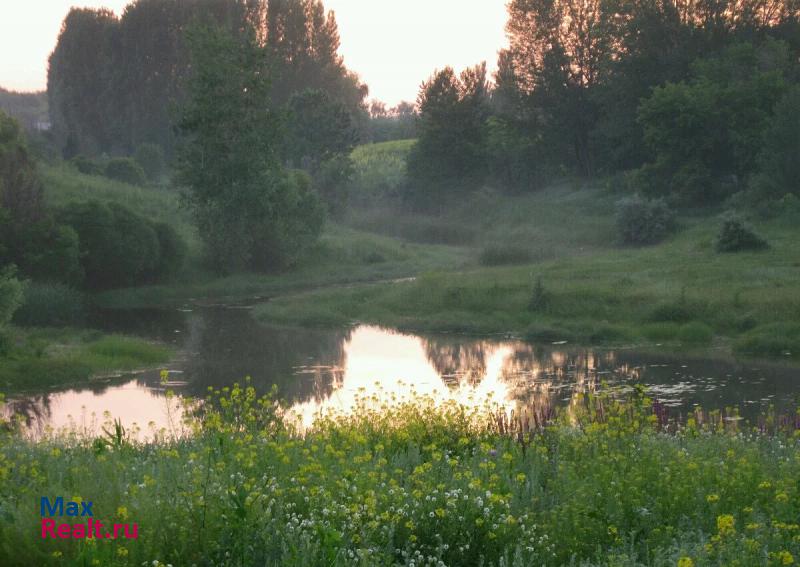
(411, 483)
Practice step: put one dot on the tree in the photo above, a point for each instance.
(558, 49)
(449, 158)
(29, 238)
(80, 84)
(318, 127)
(779, 166)
(250, 212)
(706, 133)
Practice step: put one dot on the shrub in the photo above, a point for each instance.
(643, 221)
(46, 251)
(736, 235)
(150, 158)
(86, 165)
(119, 247)
(540, 298)
(172, 250)
(499, 255)
(50, 305)
(10, 295)
(125, 170)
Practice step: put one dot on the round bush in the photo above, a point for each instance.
(643, 221)
(119, 247)
(736, 235)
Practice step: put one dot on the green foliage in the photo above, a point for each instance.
(250, 212)
(461, 485)
(113, 81)
(709, 128)
(20, 189)
(172, 250)
(642, 221)
(126, 170)
(540, 297)
(379, 172)
(119, 247)
(320, 128)
(87, 166)
(448, 158)
(44, 250)
(50, 305)
(150, 158)
(736, 235)
(43, 358)
(10, 295)
(332, 181)
(779, 339)
(779, 168)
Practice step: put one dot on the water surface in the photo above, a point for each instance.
(321, 369)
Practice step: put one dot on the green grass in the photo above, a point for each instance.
(63, 185)
(597, 291)
(44, 358)
(603, 484)
(343, 256)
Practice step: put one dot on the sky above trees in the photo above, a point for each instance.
(393, 46)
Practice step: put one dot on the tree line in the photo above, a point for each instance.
(695, 100)
(115, 83)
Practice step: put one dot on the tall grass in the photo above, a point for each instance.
(412, 483)
(48, 357)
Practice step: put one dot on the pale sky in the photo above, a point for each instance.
(393, 45)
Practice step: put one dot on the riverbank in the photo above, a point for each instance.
(604, 484)
(43, 358)
(679, 293)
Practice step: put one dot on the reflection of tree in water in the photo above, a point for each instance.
(458, 362)
(537, 377)
(225, 345)
(34, 411)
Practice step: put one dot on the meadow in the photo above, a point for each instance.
(550, 268)
(42, 358)
(404, 482)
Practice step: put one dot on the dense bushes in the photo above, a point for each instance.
(50, 305)
(736, 235)
(642, 221)
(120, 248)
(126, 170)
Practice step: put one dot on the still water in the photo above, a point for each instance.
(321, 369)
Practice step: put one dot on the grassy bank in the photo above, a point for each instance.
(592, 290)
(413, 484)
(44, 358)
(343, 256)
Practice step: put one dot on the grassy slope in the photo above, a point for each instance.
(596, 291)
(44, 358)
(391, 483)
(344, 255)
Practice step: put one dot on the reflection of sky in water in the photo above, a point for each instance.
(390, 365)
(318, 370)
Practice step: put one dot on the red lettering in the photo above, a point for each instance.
(64, 531)
(48, 526)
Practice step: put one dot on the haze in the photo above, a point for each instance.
(393, 46)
